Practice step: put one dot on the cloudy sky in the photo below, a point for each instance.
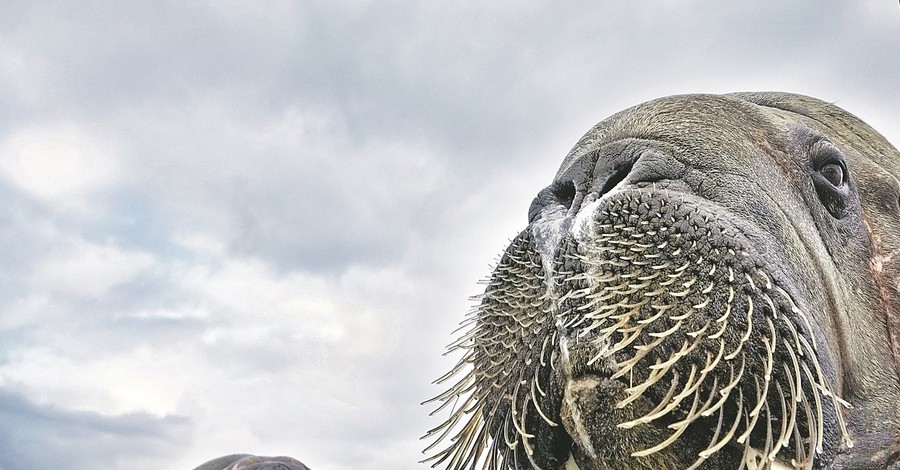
(233, 226)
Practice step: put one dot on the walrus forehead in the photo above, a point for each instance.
(698, 122)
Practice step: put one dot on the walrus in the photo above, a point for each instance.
(252, 462)
(709, 282)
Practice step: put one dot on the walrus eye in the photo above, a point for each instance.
(830, 177)
(834, 173)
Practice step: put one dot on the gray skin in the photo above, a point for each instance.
(252, 462)
(709, 281)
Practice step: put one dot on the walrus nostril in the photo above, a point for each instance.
(564, 192)
(618, 175)
(560, 193)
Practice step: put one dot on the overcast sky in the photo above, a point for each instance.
(251, 226)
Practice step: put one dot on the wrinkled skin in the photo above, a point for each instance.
(252, 462)
(708, 282)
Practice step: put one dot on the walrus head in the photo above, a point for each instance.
(252, 462)
(708, 282)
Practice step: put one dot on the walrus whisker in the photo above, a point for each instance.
(642, 351)
(795, 378)
(725, 392)
(468, 449)
(722, 319)
(519, 427)
(768, 451)
(662, 403)
(846, 438)
(746, 334)
(766, 277)
(700, 457)
(771, 306)
(819, 375)
(661, 310)
(750, 281)
(794, 399)
(798, 311)
(526, 444)
(746, 455)
(770, 349)
(753, 415)
(696, 414)
(794, 335)
(710, 365)
(676, 400)
(784, 435)
(660, 365)
(511, 441)
(818, 401)
(813, 429)
(766, 381)
(637, 391)
(447, 395)
(663, 334)
(796, 462)
(454, 451)
(715, 447)
(537, 405)
(662, 445)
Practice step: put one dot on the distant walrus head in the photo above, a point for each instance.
(708, 282)
(252, 462)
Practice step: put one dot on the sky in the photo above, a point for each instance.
(233, 226)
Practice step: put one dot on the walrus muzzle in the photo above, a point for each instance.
(666, 309)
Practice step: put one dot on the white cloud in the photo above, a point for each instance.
(62, 164)
(136, 381)
(23, 72)
(83, 269)
(24, 311)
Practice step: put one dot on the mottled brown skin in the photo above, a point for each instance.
(782, 212)
(252, 462)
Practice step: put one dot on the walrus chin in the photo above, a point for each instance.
(646, 321)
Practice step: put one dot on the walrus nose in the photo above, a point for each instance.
(568, 193)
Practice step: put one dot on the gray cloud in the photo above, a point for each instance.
(43, 436)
